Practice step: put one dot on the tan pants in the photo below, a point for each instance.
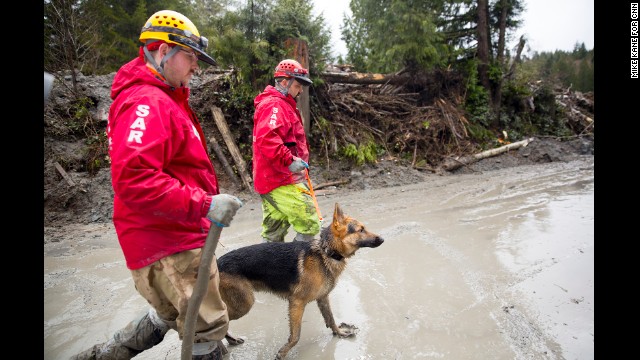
(168, 284)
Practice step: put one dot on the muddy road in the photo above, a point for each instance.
(490, 265)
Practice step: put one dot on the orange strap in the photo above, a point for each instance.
(313, 195)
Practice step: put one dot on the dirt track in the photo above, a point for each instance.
(485, 265)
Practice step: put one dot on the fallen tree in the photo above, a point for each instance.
(453, 163)
(366, 78)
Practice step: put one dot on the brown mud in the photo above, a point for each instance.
(495, 261)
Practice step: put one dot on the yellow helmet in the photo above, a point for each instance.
(175, 28)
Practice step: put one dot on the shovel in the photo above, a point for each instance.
(199, 290)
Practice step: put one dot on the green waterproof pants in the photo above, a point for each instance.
(289, 206)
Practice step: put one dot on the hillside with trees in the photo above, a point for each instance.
(443, 84)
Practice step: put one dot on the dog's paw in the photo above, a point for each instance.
(346, 330)
(232, 340)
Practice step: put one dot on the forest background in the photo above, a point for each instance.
(457, 88)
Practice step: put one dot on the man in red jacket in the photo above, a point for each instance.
(165, 191)
(281, 156)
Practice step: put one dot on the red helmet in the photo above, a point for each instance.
(292, 68)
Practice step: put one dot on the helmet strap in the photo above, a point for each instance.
(152, 60)
(284, 90)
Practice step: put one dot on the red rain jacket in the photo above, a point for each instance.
(161, 174)
(278, 135)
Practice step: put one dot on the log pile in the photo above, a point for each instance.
(419, 114)
(431, 127)
(418, 118)
(578, 109)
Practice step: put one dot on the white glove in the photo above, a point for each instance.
(297, 165)
(223, 208)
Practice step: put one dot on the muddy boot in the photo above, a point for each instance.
(303, 237)
(137, 336)
(210, 351)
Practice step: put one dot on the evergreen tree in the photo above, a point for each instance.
(388, 35)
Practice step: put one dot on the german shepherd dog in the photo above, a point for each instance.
(298, 271)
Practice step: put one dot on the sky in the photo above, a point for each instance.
(548, 24)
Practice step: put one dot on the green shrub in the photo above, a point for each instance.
(362, 154)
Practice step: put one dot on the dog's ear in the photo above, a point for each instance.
(338, 215)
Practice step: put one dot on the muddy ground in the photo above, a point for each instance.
(492, 261)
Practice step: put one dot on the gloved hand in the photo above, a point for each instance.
(297, 165)
(223, 208)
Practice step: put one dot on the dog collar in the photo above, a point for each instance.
(334, 255)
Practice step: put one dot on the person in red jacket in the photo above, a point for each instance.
(281, 156)
(165, 190)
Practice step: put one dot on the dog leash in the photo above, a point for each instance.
(306, 174)
(313, 195)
